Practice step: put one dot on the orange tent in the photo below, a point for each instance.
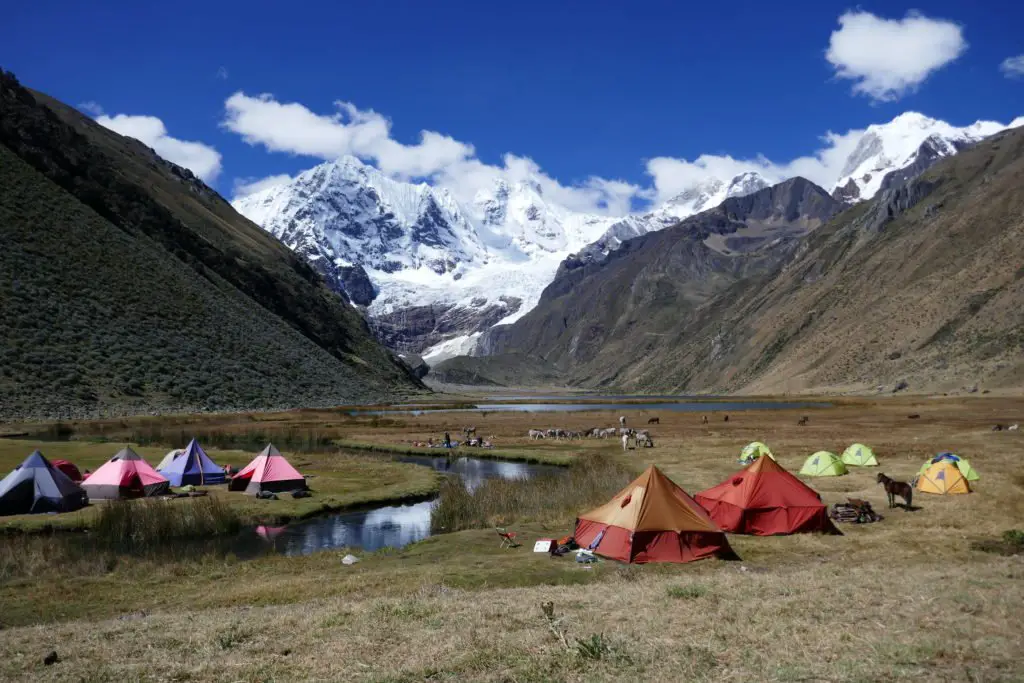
(764, 499)
(943, 477)
(652, 520)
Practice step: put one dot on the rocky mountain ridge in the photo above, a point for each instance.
(433, 275)
(919, 289)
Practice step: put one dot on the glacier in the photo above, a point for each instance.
(436, 273)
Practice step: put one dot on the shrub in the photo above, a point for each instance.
(140, 524)
(500, 501)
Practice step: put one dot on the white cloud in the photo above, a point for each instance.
(824, 167)
(92, 108)
(293, 128)
(222, 73)
(201, 159)
(247, 186)
(887, 58)
(1013, 67)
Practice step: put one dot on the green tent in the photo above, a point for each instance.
(823, 464)
(753, 451)
(859, 455)
(962, 464)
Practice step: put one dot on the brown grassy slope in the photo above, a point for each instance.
(162, 211)
(597, 318)
(934, 295)
(924, 283)
(905, 599)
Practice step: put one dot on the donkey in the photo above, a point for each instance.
(895, 488)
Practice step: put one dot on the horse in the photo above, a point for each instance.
(654, 421)
(895, 488)
(625, 442)
(536, 434)
(705, 420)
(468, 431)
(622, 421)
(803, 420)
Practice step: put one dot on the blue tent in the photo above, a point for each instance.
(37, 486)
(193, 467)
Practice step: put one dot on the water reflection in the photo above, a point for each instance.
(386, 526)
(673, 407)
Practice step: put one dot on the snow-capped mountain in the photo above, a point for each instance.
(700, 197)
(436, 270)
(434, 273)
(708, 195)
(907, 139)
(352, 214)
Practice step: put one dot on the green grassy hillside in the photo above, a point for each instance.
(127, 285)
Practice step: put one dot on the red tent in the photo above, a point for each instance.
(126, 475)
(269, 471)
(652, 520)
(69, 469)
(764, 499)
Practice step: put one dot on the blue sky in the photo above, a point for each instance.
(589, 92)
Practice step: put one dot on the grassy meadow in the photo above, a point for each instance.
(338, 480)
(931, 594)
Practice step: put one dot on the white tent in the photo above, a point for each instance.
(169, 458)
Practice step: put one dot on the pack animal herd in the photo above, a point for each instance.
(641, 438)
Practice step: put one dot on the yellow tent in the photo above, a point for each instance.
(943, 477)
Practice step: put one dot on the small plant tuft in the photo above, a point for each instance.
(689, 592)
(234, 636)
(1010, 543)
(595, 647)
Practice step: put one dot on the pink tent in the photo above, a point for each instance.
(269, 471)
(126, 475)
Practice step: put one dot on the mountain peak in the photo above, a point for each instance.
(909, 118)
(894, 146)
(529, 185)
(746, 183)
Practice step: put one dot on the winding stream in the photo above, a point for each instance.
(381, 526)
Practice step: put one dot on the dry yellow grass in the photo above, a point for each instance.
(904, 599)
